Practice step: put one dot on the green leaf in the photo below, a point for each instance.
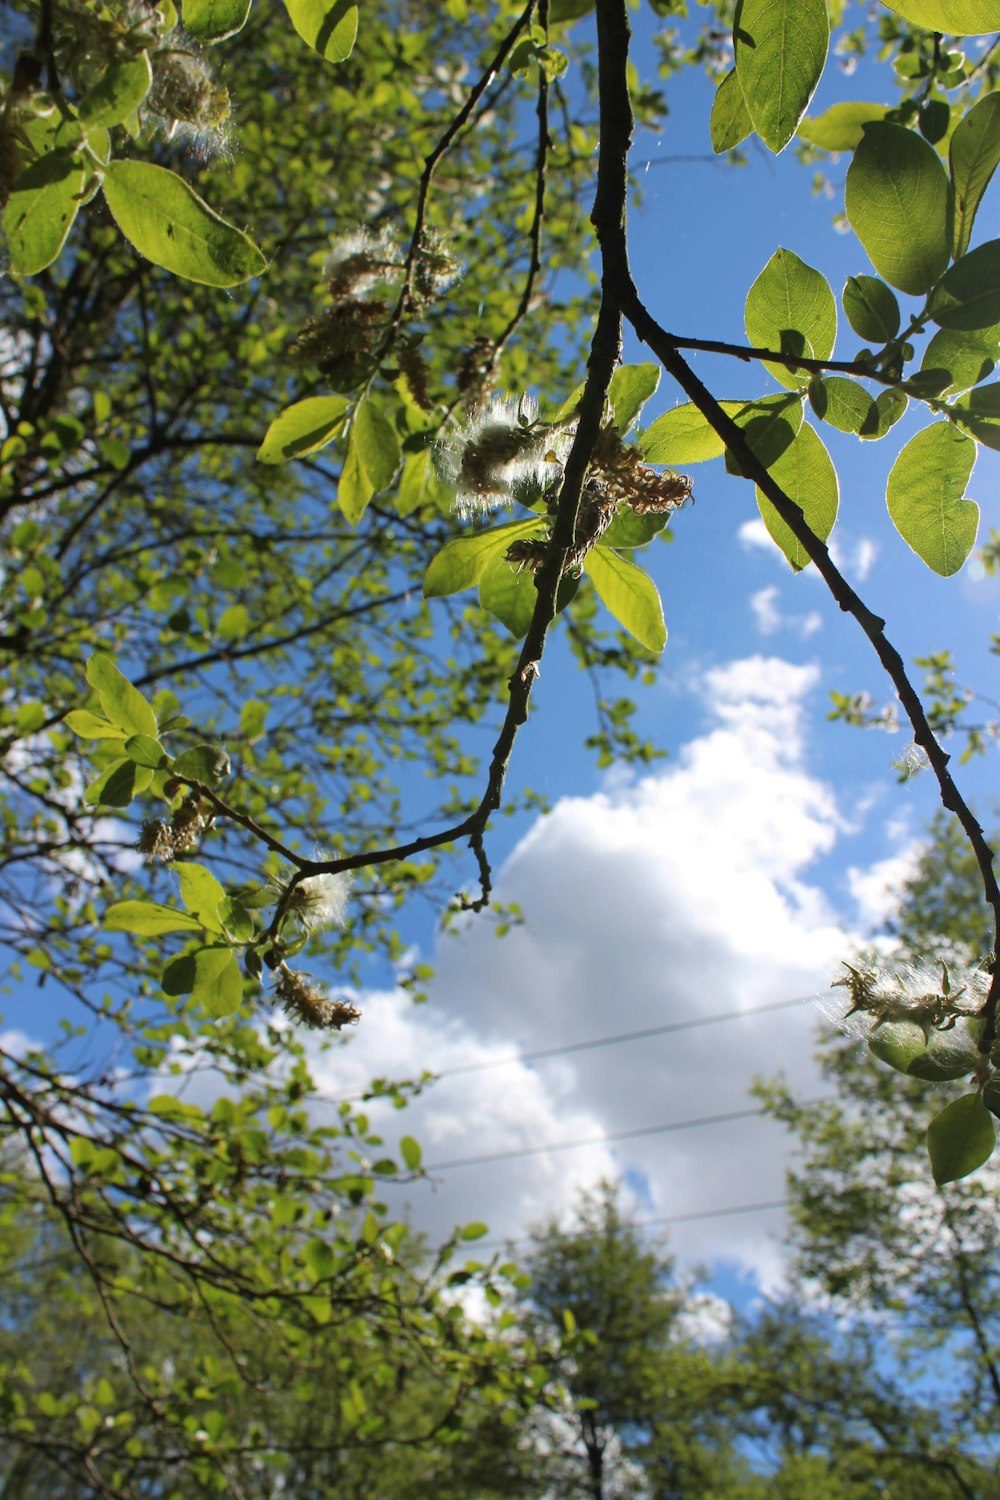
(770, 427)
(508, 594)
(319, 1259)
(118, 92)
(201, 893)
(730, 121)
(373, 456)
(123, 703)
(40, 210)
(839, 128)
(948, 1055)
(236, 921)
(841, 402)
(630, 595)
(681, 436)
(118, 784)
(92, 727)
(411, 1153)
(630, 389)
(685, 436)
(234, 623)
(952, 17)
(806, 473)
(897, 1044)
(898, 201)
(146, 751)
(962, 357)
(419, 485)
(871, 308)
(198, 969)
(170, 225)
(461, 563)
(960, 1139)
(889, 407)
(221, 994)
(214, 20)
(924, 495)
(791, 308)
(303, 428)
(147, 919)
(330, 30)
(253, 715)
(473, 1231)
(628, 530)
(208, 764)
(973, 155)
(780, 48)
(968, 294)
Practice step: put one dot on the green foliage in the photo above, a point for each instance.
(780, 52)
(898, 201)
(924, 495)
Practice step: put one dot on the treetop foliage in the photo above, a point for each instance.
(293, 308)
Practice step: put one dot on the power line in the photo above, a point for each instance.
(613, 1040)
(601, 1140)
(683, 1218)
(622, 1036)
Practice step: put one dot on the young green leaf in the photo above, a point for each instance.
(952, 17)
(302, 428)
(198, 969)
(119, 91)
(201, 893)
(214, 20)
(962, 357)
(780, 48)
(373, 456)
(806, 473)
(123, 704)
(871, 308)
(170, 225)
(146, 751)
(684, 436)
(968, 294)
(409, 1150)
(770, 426)
(147, 919)
(462, 562)
(40, 210)
(419, 485)
(898, 202)
(960, 1139)
(973, 154)
(628, 530)
(840, 127)
(730, 121)
(630, 389)
(897, 1044)
(630, 595)
(924, 496)
(220, 994)
(948, 1055)
(118, 784)
(208, 764)
(92, 727)
(889, 407)
(330, 30)
(508, 594)
(841, 402)
(791, 308)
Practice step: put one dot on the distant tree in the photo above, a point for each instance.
(868, 1228)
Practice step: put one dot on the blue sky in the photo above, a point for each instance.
(736, 874)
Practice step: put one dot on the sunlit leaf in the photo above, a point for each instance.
(630, 595)
(925, 497)
(330, 29)
(960, 1139)
(898, 202)
(780, 48)
(791, 308)
(806, 473)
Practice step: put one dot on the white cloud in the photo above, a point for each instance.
(875, 890)
(668, 898)
(770, 619)
(855, 559)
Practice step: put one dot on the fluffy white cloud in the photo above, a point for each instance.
(769, 618)
(665, 899)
